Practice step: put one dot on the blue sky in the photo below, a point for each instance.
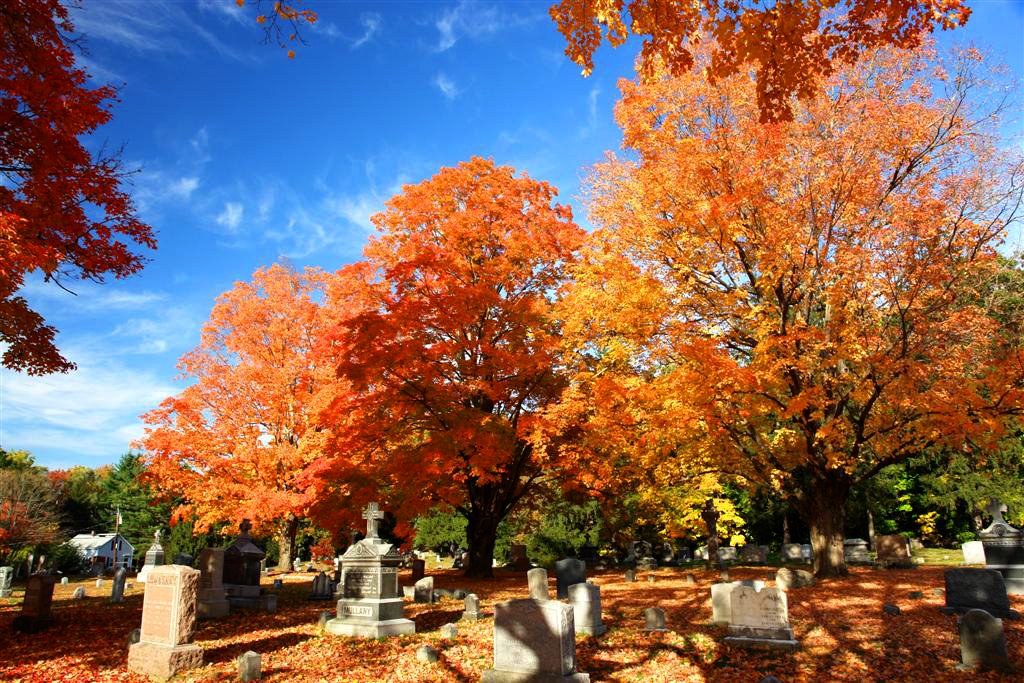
(247, 157)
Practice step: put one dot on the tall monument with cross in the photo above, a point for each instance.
(370, 604)
(1004, 548)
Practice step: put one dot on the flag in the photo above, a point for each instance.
(119, 521)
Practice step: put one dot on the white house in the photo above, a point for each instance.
(99, 550)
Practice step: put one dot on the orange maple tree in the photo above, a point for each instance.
(62, 210)
(455, 356)
(230, 444)
(791, 44)
(804, 295)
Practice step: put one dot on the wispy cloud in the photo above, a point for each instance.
(370, 22)
(588, 129)
(231, 216)
(226, 9)
(183, 187)
(87, 297)
(473, 20)
(446, 85)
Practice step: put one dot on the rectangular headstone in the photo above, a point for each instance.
(534, 639)
(585, 599)
(727, 553)
(6, 576)
(537, 580)
(791, 552)
(169, 609)
(760, 617)
(984, 589)
(35, 608)
(721, 600)
(424, 590)
(568, 571)
(974, 552)
(892, 549)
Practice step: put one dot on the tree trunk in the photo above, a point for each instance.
(710, 517)
(286, 542)
(822, 506)
(481, 533)
(871, 524)
(785, 529)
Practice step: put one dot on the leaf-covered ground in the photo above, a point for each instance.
(845, 635)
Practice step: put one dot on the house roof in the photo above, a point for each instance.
(92, 541)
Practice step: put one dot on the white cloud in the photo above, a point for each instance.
(370, 22)
(446, 85)
(183, 187)
(226, 9)
(88, 297)
(473, 20)
(231, 216)
(591, 125)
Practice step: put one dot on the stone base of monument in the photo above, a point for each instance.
(370, 618)
(245, 597)
(496, 676)
(5, 592)
(370, 629)
(162, 662)
(774, 638)
(213, 606)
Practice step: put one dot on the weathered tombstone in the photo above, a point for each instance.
(654, 619)
(786, 578)
(760, 617)
(99, 583)
(891, 609)
(63, 581)
(117, 588)
(534, 640)
(168, 623)
(691, 580)
(321, 588)
(728, 553)
(407, 592)
(134, 636)
(35, 608)
(537, 580)
(518, 559)
(419, 569)
(249, 668)
(568, 571)
(268, 602)
(806, 552)
(423, 591)
(242, 570)
(6, 576)
(79, 593)
(855, 550)
(721, 599)
(754, 554)
(974, 552)
(791, 552)
(213, 599)
(154, 557)
(449, 631)
(983, 589)
(701, 553)
(1004, 549)
(370, 605)
(184, 559)
(630, 575)
(982, 642)
(585, 599)
(893, 550)
(915, 595)
(425, 653)
(668, 553)
(647, 563)
(472, 611)
(651, 578)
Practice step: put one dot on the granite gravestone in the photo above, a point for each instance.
(728, 553)
(984, 589)
(321, 589)
(982, 642)
(79, 593)
(585, 599)
(654, 619)
(534, 641)
(791, 552)
(537, 580)
(721, 599)
(213, 599)
(855, 550)
(630, 576)
(154, 558)
(786, 578)
(568, 571)
(893, 550)
(806, 552)
(370, 605)
(35, 608)
(760, 617)
(472, 610)
(168, 623)
(419, 569)
(754, 554)
(6, 576)
(117, 588)
(518, 559)
(242, 570)
(1004, 549)
(423, 590)
(974, 552)
(249, 666)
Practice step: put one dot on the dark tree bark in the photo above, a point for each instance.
(710, 517)
(823, 506)
(286, 542)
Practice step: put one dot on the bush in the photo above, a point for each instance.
(66, 559)
(966, 537)
(442, 532)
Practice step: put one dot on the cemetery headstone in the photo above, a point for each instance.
(449, 631)
(647, 563)
(855, 551)
(974, 552)
(213, 599)
(654, 619)
(268, 602)
(701, 553)
(134, 636)
(791, 552)
(534, 640)
(982, 642)
(892, 609)
(651, 578)
(63, 581)
(754, 554)
(425, 653)
(984, 589)
(6, 576)
(370, 605)
(165, 646)
(630, 575)
(407, 591)
(760, 617)
(79, 593)
(721, 599)
(241, 575)
(117, 588)
(249, 668)
(184, 559)
(419, 569)
(806, 552)
(1004, 549)
(786, 578)
(893, 550)
(324, 617)
(724, 575)
(568, 571)
(423, 591)
(691, 580)
(915, 595)
(537, 580)
(35, 608)
(585, 599)
(472, 610)
(99, 583)
(321, 588)
(728, 553)
(154, 557)
(684, 555)
(518, 559)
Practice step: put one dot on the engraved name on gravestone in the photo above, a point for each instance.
(168, 622)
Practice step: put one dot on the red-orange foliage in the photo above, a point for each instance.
(791, 44)
(62, 211)
(454, 356)
(229, 444)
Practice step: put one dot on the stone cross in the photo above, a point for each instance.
(372, 515)
(244, 527)
(996, 509)
(156, 537)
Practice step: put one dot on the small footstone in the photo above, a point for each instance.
(425, 653)
(249, 667)
(916, 595)
(630, 575)
(323, 619)
(134, 636)
(889, 608)
(64, 581)
(79, 593)
(691, 580)
(449, 631)
(725, 576)
(654, 618)
(650, 578)
(99, 583)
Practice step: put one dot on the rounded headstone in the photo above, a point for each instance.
(889, 608)
(425, 653)
(249, 668)
(449, 631)
(982, 641)
(654, 619)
